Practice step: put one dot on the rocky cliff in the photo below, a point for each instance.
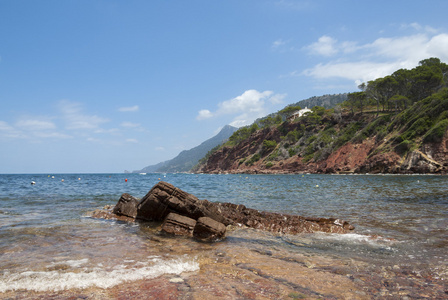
(320, 148)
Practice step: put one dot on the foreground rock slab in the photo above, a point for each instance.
(164, 198)
(126, 206)
(184, 214)
(209, 229)
(178, 225)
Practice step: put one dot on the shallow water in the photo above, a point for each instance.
(48, 244)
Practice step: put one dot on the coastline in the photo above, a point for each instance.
(397, 249)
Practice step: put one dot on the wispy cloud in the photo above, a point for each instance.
(129, 125)
(9, 131)
(129, 108)
(379, 58)
(75, 118)
(245, 108)
(299, 5)
(30, 124)
(31, 128)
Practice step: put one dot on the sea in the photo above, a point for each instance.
(51, 247)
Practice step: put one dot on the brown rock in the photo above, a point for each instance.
(126, 206)
(178, 225)
(209, 229)
(164, 198)
(179, 210)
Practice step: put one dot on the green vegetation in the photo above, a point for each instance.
(268, 146)
(398, 113)
(256, 157)
(398, 91)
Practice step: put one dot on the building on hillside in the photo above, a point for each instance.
(299, 113)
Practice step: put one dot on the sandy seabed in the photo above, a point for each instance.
(264, 271)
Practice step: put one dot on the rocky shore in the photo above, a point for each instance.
(184, 214)
(372, 156)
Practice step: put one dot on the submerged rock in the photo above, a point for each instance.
(178, 225)
(209, 229)
(184, 214)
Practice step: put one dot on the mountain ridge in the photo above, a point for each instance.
(187, 159)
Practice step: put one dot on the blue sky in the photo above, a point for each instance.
(104, 86)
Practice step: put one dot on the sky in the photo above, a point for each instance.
(103, 86)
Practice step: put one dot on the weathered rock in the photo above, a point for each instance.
(281, 223)
(179, 211)
(178, 225)
(126, 206)
(164, 198)
(108, 214)
(209, 229)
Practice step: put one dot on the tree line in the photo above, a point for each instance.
(398, 91)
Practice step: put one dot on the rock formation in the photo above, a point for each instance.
(184, 214)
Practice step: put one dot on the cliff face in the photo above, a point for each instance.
(374, 154)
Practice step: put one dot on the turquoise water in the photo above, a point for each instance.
(45, 231)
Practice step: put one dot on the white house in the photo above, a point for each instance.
(299, 113)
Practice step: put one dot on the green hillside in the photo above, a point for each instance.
(396, 114)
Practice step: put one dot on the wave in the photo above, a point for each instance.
(58, 280)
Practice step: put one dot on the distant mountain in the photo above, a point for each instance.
(187, 159)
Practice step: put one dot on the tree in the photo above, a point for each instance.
(357, 100)
(289, 110)
(400, 102)
(425, 80)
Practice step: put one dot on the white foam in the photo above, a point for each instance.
(71, 263)
(41, 281)
(355, 238)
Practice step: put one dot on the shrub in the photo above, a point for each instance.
(436, 133)
(292, 152)
(403, 147)
(269, 165)
(256, 157)
(268, 146)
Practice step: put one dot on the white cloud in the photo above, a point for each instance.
(129, 108)
(160, 148)
(325, 46)
(251, 101)
(379, 58)
(247, 107)
(204, 114)
(363, 70)
(131, 141)
(76, 119)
